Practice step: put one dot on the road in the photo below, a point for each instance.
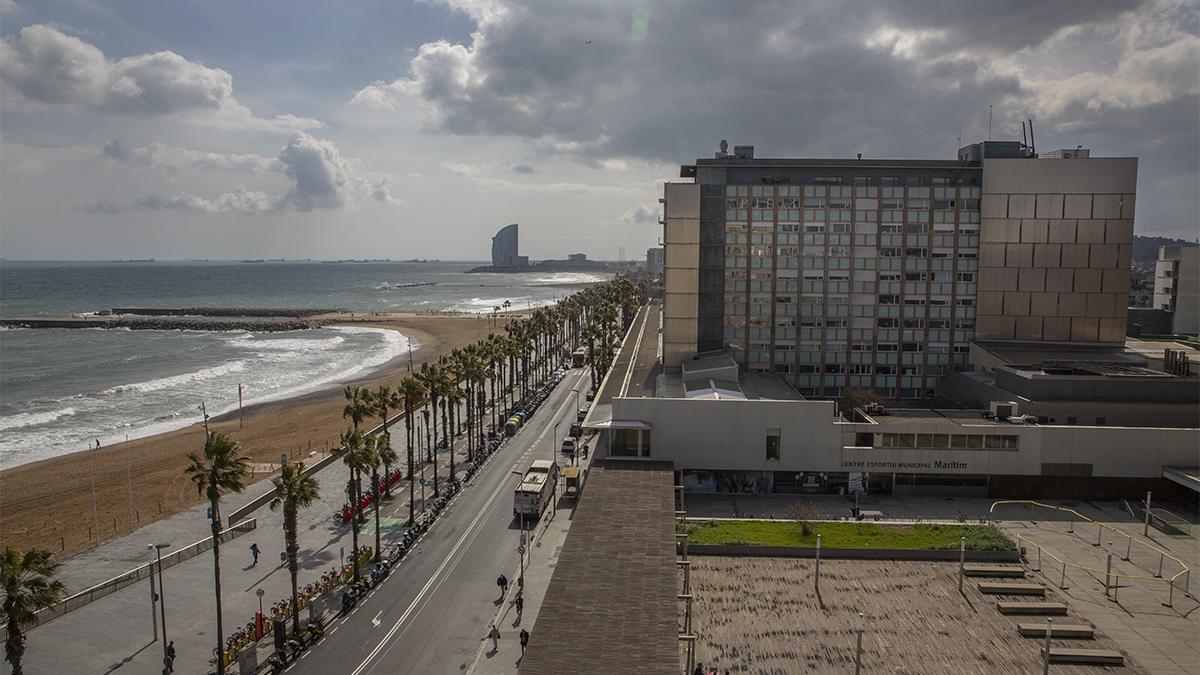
(435, 608)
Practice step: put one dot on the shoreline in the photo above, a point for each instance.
(45, 503)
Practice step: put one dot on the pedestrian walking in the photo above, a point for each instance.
(520, 604)
(494, 633)
(524, 640)
(254, 552)
(169, 659)
(502, 582)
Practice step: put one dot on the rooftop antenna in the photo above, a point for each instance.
(959, 135)
(989, 121)
(1032, 143)
(1024, 140)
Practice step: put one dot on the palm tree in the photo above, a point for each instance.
(359, 405)
(378, 453)
(431, 376)
(386, 399)
(413, 392)
(356, 458)
(220, 467)
(29, 585)
(294, 490)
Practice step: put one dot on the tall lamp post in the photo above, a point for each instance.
(162, 596)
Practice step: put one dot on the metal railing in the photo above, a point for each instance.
(1112, 581)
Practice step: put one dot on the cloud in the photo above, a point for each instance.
(45, 66)
(170, 158)
(241, 200)
(522, 168)
(900, 80)
(322, 178)
(462, 169)
(380, 192)
(642, 213)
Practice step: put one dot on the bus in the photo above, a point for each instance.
(536, 489)
(579, 357)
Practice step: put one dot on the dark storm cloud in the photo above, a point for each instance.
(824, 78)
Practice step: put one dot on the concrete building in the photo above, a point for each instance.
(878, 273)
(576, 257)
(1177, 287)
(504, 249)
(654, 260)
(730, 430)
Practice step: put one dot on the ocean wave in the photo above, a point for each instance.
(288, 344)
(178, 380)
(33, 419)
(485, 305)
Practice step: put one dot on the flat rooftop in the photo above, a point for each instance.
(610, 606)
(939, 417)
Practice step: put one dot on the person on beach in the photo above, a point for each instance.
(254, 552)
(524, 640)
(494, 634)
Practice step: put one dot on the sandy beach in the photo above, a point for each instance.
(48, 504)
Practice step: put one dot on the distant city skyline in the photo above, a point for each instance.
(417, 129)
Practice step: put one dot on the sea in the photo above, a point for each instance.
(63, 390)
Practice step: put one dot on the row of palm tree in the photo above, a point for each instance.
(463, 386)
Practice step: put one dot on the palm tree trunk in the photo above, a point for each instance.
(446, 435)
(375, 501)
(289, 527)
(408, 428)
(216, 531)
(354, 530)
(433, 415)
(14, 643)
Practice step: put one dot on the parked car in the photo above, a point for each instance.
(568, 445)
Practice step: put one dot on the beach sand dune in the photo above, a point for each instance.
(48, 504)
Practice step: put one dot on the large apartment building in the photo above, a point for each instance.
(878, 273)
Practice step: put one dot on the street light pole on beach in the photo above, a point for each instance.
(162, 595)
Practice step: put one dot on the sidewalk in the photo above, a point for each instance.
(115, 632)
(542, 557)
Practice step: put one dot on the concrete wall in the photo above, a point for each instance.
(731, 435)
(1056, 238)
(681, 270)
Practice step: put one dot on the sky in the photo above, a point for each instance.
(396, 129)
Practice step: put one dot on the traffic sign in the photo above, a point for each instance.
(422, 481)
(521, 550)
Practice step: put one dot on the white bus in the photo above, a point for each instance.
(536, 489)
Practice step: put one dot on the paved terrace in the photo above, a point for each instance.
(634, 370)
(610, 606)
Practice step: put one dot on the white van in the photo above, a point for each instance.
(568, 445)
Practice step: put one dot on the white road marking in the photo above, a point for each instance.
(471, 530)
(375, 621)
(438, 572)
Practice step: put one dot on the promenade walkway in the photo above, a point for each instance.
(115, 633)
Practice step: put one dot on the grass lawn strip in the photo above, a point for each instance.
(848, 535)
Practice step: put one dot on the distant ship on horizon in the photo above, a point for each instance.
(136, 260)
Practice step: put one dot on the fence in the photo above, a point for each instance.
(135, 575)
(1148, 556)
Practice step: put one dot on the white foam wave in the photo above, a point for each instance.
(181, 379)
(287, 344)
(485, 305)
(31, 419)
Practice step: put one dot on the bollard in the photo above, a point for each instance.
(1161, 555)
(1099, 533)
(1046, 650)
(1063, 582)
(1071, 527)
(962, 555)
(817, 577)
(1108, 576)
(1039, 559)
(1128, 546)
(1146, 526)
(858, 647)
(1170, 593)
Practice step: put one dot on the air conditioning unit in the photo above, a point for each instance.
(1002, 409)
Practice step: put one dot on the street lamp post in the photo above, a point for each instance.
(162, 597)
